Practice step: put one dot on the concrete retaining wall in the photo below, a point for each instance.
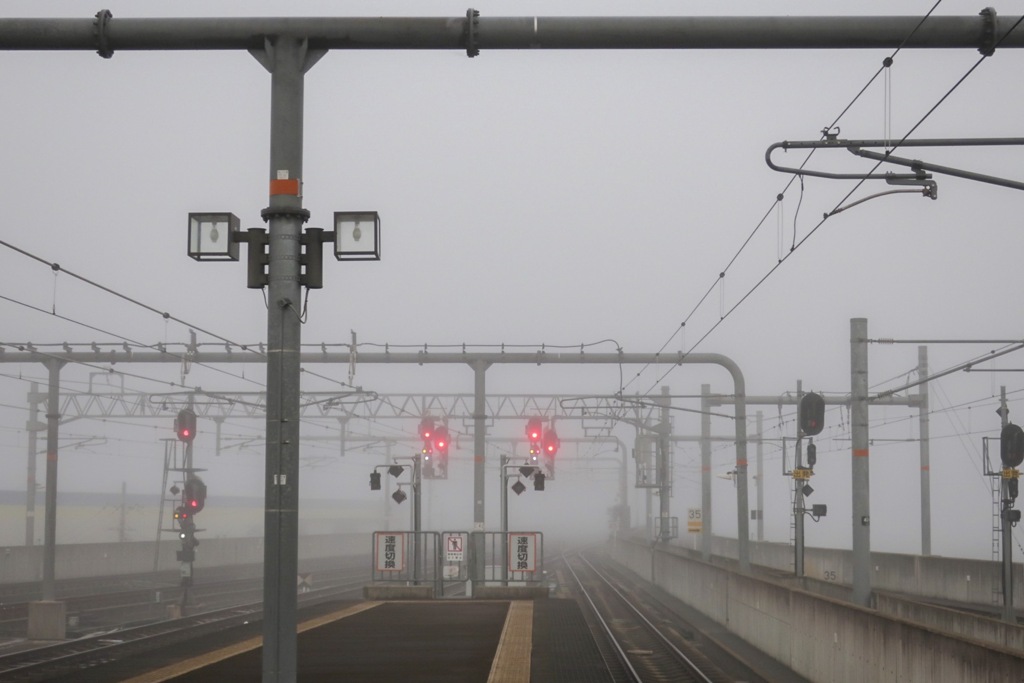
(947, 578)
(818, 637)
(81, 560)
(985, 629)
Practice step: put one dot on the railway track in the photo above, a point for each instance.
(74, 657)
(644, 641)
(116, 601)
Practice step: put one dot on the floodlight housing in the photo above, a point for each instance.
(211, 236)
(357, 235)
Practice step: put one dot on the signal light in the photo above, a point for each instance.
(538, 481)
(1011, 445)
(185, 425)
(812, 455)
(811, 414)
(1012, 488)
(195, 494)
(534, 428)
(550, 442)
(426, 428)
(185, 523)
(375, 481)
(441, 440)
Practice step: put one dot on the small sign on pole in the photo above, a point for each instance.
(694, 524)
(522, 552)
(389, 549)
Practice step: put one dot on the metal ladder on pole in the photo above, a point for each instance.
(997, 589)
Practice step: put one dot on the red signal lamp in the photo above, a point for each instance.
(534, 429)
(441, 440)
(426, 429)
(551, 442)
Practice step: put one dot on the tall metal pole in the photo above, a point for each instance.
(53, 367)
(923, 434)
(760, 476)
(287, 58)
(387, 487)
(504, 519)
(798, 498)
(860, 470)
(742, 500)
(705, 473)
(417, 517)
(30, 484)
(479, 445)
(663, 465)
(1006, 527)
(624, 513)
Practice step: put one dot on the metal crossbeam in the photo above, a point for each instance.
(368, 406)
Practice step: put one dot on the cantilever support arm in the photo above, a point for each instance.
(820, 144)
(920, 168)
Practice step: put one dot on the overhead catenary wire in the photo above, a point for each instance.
(163, 314)
(131, 341)
(841, 202)
(778, 200)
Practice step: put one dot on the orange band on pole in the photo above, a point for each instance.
(287, 186)
(860, 452)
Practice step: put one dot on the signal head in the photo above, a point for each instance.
(185, 425)
(426, 428)
(551, 442)
(1011, 445)
(534, 429)
(811, 414)
(441, 440)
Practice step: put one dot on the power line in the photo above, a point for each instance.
(134, 342)
(56, 268)
(886, 64)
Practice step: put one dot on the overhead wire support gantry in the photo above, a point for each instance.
(920, 169)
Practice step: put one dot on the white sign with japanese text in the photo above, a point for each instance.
(389, 549)
(522, 552)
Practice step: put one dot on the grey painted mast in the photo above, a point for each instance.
(53, 367)
(861, 517)
(30, 488)
(705, 473)
(287, 58)
(924, 435)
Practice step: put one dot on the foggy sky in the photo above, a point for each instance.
(527, 198)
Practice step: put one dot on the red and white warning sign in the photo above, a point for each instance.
(454, 547)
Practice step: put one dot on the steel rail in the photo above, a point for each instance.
(99, 649)
(694, 668)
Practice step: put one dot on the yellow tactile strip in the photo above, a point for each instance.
(180, 668)
(512, 660)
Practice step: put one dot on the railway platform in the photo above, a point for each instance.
(490, 641)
